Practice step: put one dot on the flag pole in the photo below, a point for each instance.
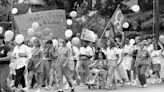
(105, 29)
(108, 25)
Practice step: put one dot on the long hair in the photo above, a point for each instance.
(97, 55)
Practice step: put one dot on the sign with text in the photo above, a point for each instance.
(88, 35)
(55, 20)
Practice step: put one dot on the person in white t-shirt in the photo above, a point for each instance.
(22, 54)
(114, 59)
(86, 54)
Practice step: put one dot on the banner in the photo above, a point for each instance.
(117, 20)
(55, 20)
(88, 35)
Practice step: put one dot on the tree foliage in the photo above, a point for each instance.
(140, 21)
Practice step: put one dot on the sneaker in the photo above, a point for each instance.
(66, 87)
(128, 83)
(38, 90)
(144, 86)
(47, 88)
(25, 89)
(153, 82)
(134, 83)
(140, 86)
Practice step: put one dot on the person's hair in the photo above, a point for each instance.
(49, 42)
(97, 55)
(38, 42)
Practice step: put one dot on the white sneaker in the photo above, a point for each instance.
(140, 86)
(128, 83)
(25, 89)
(47, 88)
(144, 86)
(38, 90)
(134, 83)
(153, 82)
(66, 87)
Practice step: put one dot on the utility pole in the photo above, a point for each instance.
(157, 18)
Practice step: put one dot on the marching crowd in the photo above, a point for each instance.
(61, 62)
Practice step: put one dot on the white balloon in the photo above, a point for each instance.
(69, 22)
(33, 39)
(1, 30)
(55, 42)
(125, 25)
(107, 34)
(9, 35)
(68, 33)
(31, 32)
(19, 39)
(76, 41)
(73, 14)
(132, 41)
(35, 26)
(14, 11)
(135, 8)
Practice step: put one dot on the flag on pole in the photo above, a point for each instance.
(130, 3)
(117, 20)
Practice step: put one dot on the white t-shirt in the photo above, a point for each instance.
(21, 61)
(156, 57)
(150, 48)
(128, 49)
(112, 52)
(76, 50)
(86, 51)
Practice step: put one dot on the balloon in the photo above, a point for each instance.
(69, 22)
(107, 34)
(1, 30)
(31, 32)
(35, 26)
(9, 35)
(33, 39)
(46, 31)
(76, 41)
(55, 42)
(14, 11)
(125, 25)
(132, 41)
(68, 33)
(19, 39)
(73, 14)
(38, 34)
(161, 39)
(135, 8)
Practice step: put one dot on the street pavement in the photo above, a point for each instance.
(150, 88)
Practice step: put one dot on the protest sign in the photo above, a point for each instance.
(88, 35)
(55, 20)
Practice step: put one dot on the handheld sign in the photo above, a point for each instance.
(88, 35)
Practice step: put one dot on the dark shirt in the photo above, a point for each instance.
(3, 53)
